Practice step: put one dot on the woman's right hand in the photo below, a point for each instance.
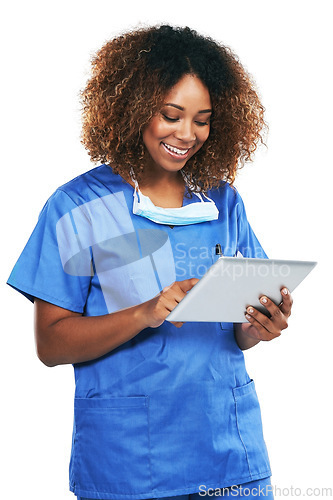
(64, 336)
(157, 309)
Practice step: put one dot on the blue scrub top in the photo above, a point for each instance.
(172, 408)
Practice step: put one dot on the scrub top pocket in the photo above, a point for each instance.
(104, 456)
(248, 418)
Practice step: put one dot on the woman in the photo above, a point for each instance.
(159, 412)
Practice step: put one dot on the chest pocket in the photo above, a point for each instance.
(134, 267)
(155, 268)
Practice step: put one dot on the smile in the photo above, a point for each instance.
(176, 151)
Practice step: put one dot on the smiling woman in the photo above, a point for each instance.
(175, 134)
(158, 411)
(132, 77)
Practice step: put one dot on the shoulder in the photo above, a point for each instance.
(226, 196)
(90, 185)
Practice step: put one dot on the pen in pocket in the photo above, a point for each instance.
(218, 250)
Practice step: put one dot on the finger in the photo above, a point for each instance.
(174, 293)
(262, 332)
(186, 285)
(277, 316)
(287, 302)
(264, 320)
(178, 324)
(169, 300)
(178, 290)
(183, 286)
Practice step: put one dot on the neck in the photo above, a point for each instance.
(164, 188)
(155, 179)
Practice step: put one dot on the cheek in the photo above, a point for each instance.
(203, 136)
(155, 130)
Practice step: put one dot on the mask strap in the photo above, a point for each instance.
(136, 185)
(208, 197)
(133, 177)
(199, 195)
(192, 187)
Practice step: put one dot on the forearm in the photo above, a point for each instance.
(63, 336)
(243, 340)
(75, 339)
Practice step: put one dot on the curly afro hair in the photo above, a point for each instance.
(131, 75)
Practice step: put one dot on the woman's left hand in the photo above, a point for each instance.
(268, 328)
(262, 327)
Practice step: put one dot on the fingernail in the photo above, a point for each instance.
(247, 316)
(263, 300)
(285, 291)
(250, 310)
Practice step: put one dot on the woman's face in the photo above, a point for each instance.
(179, 130)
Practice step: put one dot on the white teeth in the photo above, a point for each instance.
(176, 150)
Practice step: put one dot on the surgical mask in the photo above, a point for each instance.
(201, 211)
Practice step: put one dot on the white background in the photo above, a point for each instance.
(46, 49)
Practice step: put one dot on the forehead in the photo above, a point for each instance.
(189, 91)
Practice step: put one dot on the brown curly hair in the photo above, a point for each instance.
(131, 75)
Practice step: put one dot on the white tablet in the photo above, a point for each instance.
(232, 284)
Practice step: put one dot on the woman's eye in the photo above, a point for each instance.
(169, 119)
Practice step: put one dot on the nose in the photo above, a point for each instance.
(185, 131)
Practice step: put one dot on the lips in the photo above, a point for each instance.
(176, 152)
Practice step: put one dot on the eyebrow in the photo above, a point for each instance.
(183, 109)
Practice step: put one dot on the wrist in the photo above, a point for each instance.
(242, 337)
(141, 316)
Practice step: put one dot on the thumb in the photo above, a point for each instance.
(166, 288)
(186, 285)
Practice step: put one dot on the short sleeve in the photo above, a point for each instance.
(248, 244)
(40, 271)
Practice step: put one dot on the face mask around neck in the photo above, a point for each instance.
(201, 211)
